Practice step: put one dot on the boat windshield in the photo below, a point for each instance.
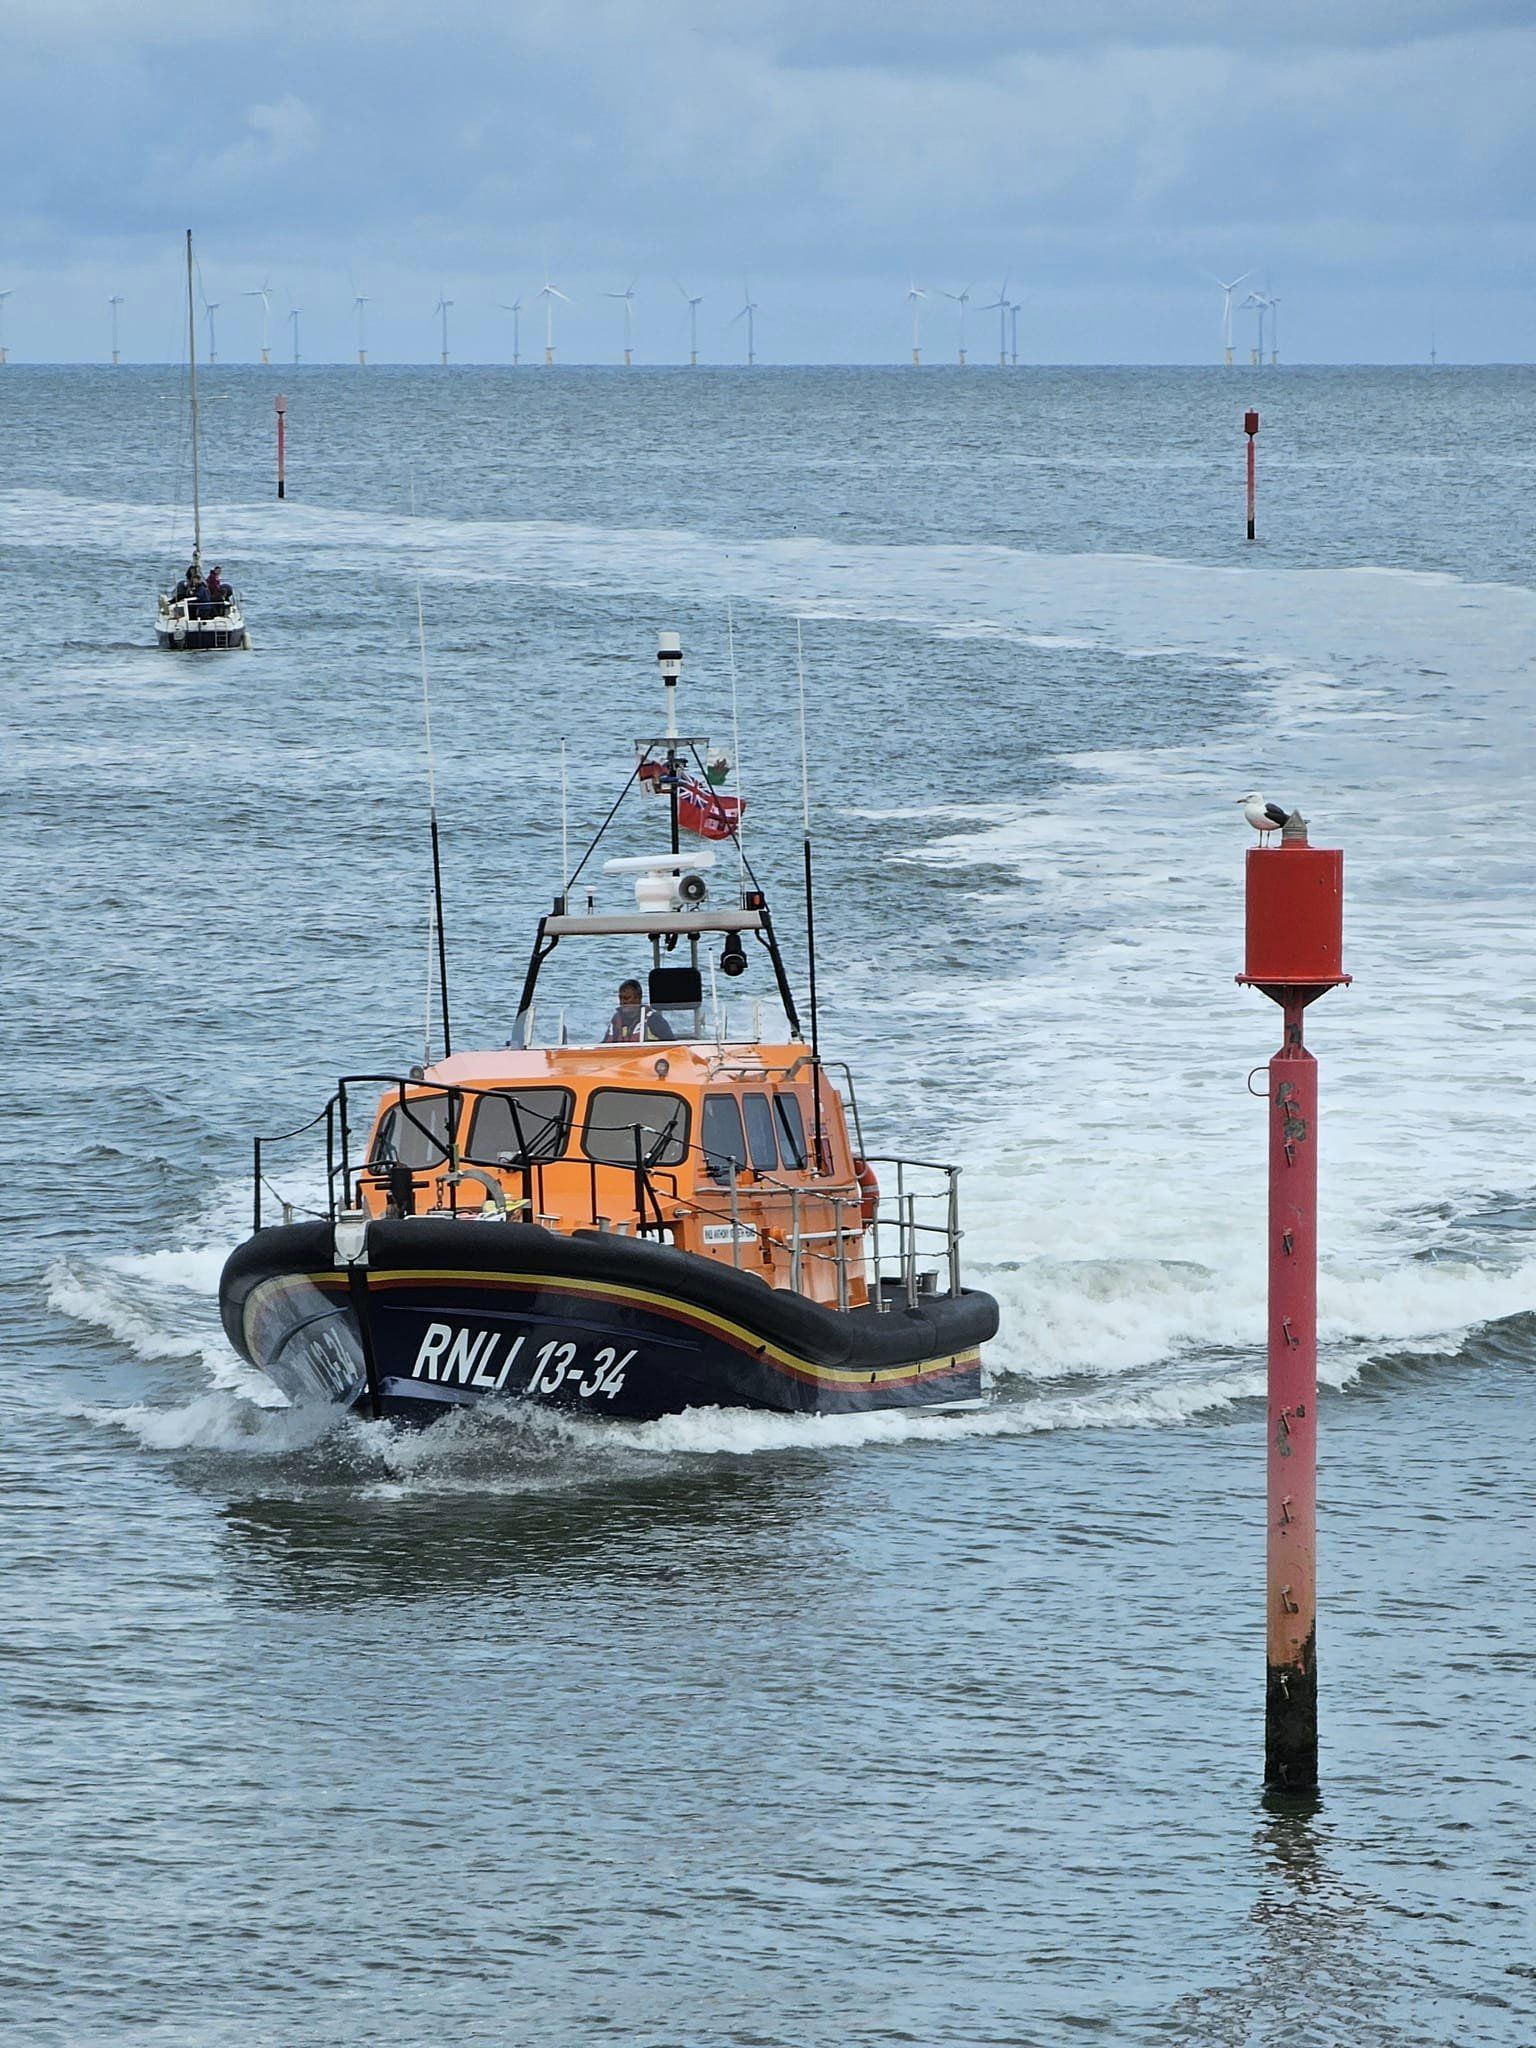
(413, 1133)
(519, 1124)
(635, 1126)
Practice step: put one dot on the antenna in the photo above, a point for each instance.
(565, 824)
(810, 912)
(730, 642)
(437, 857)
(114, 302)
(669, 653)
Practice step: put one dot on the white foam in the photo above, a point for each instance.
(1115, 1182)
(219, 1420)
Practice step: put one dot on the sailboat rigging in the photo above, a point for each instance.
(202, 612)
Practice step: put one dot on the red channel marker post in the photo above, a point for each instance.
(1294, 953)
(1251, 429)
(282, 445)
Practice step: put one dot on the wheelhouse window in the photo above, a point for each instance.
(413, 1133)
(614, 1115)
(526, 1123)
(758, 1112)
(791, 1123)
(725, 1147)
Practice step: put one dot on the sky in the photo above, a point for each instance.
(1371, 163)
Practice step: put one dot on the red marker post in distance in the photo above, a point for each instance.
(282, 444)
(1294, 953)
(1251, 429)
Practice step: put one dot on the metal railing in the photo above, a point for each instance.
(905, 1214)
(915, 1234)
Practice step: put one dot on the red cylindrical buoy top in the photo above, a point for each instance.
(1295, 927)
(1250, 423)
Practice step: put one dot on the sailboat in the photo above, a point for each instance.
(201, 613)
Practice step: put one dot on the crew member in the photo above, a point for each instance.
(632, 1020)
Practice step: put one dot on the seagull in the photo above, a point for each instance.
(1264, 818)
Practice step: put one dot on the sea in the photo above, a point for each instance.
(737, 1731)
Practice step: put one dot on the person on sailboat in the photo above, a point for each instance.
(218, 591)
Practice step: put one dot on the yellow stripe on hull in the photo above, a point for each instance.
(840, 1378)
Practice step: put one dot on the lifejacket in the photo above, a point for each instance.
(869, 1190)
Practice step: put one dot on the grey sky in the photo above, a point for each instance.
(1374, 157)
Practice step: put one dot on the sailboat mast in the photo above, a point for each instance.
(197, 503)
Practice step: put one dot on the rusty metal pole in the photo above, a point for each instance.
(282, 445)
(1251, 429)
(1294, 953)
(1290, 1691)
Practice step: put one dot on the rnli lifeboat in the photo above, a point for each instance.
(672, 1207)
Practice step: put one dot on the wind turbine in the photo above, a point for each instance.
(962, 300)
(443, 308)
(1274, 330)
(515, 309)
(1256, 303)
(4, 358)
(693, 326)
(1226, 310)
(628, 296)
(293, 322)
(749, 309)
(264, 293)
(114, 302)
(549, 293)
(358, 306)
(1013, 313)
(210, 307)
(999, 306)
(915, 297)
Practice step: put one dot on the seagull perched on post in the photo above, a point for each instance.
(1264, 818)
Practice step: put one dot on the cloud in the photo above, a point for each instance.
(1103, 145)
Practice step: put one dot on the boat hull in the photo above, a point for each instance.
(447, 1314)
(204, 639)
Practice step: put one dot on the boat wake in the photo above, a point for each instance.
(1114, 1181)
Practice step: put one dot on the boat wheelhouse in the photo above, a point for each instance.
(673, 1208)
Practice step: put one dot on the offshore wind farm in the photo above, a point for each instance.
(669, 335)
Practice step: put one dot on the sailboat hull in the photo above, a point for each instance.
(203, 639)
(183, 635)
